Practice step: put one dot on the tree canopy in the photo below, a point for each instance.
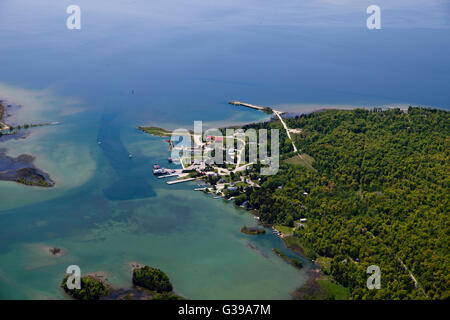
(378, 194)
(152, 279)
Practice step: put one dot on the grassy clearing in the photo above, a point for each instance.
(287, 231)
(325, 264)
(333, 290)
(301, 160)
(241, 184)
(322, 288)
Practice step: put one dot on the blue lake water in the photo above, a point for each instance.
(167, 64)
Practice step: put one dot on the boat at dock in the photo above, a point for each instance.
(158, 172)
(169, 159)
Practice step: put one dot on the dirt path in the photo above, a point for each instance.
(278, 114)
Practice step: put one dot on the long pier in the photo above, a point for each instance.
(252, 106)
(180, 181)
(248, 105)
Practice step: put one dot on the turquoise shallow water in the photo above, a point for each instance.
(122, 214)
(168, 63)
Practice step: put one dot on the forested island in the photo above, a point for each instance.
(149, 284)
(92, 288)
(374, 188)
(156, 281)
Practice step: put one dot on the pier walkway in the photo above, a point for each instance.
(180, 181)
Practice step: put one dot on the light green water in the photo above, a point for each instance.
(108, 210)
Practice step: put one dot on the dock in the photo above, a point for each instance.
(180, 181)
(168, 176)
(248, 105)
(252, 106)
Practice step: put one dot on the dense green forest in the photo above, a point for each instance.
(377, 194)
(91, 288)
(152, 279)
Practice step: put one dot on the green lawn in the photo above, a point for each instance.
(333, 290)
(301, 160)
(324, 263)
(241, 184)
(287, 231)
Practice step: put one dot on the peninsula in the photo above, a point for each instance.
(20, 169)
(345, 189)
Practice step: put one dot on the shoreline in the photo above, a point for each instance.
(311, 285)
(319, 284)
(317, 278)
(20, 169)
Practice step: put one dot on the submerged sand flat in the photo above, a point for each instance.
(22, 169)
(192, 237)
